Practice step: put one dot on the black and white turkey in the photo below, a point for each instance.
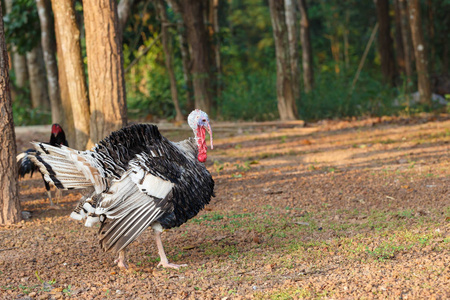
(139, 178)
(26, 166)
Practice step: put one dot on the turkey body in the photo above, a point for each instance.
(139, 178)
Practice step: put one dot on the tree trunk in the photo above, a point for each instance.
(38, 81)
(105, 68)
(419, 51)
(166, 41)
(291, 24)
(197, 36)
(19, 62)
(20, 68)
(9, 194)
(445, 59)
(345, 34)
(49, 48)
(216, 41)
(406, 38)
(385, 41)
(67, 122)
(400, 51)
(285, 93)
(69, 40)
(185, 56)
(430, 32)
(305, 38)
(124, 11)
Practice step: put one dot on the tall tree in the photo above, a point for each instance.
(9, 195)
(197, 37)
(38, 83)
(385, 43)
(49, 48)
(124, 11)
(431, 33)
(406, 39)
(305, 38)
(105, 68)
(69, 39)
(67, 121)
(420, 53)
(399, 50)
(215, 38)
(185, 56)
(19, 61)
(285, 93)
(166, 41)
(291, 24)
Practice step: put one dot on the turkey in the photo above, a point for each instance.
(138, 179)
(26, 166)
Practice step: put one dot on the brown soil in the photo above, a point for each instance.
(335, 210)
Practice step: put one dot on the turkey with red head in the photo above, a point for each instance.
(140, 179)
(26, 166)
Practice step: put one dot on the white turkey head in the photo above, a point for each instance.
(199, 122)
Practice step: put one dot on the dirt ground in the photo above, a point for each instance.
(333, 210)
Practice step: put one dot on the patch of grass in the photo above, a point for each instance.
(46, 285)
(269, 155)
(240, 216)
(218, 166)
(214, 216)
(385, 142)
(243, 167)
(292, 293)
(312, 167)
(385, 251)
(27, 289)
(408, 213)
(68, 292)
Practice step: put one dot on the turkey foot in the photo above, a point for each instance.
(121, 261)
(164, 261)
(170, 265)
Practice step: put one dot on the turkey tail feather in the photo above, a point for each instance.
(24, 163)
(58, 167)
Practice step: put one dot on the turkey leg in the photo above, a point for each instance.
(164, 261)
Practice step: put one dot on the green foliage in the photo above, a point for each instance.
(340, 31)
(23, 114)
(22, 27)
(148, 87)
(332, 98)
(249, 96)
(68, 292)
(249, 67)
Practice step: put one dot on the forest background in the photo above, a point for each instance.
(245, 60)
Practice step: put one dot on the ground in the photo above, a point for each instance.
(332, 210)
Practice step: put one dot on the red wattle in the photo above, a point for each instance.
(201, 143)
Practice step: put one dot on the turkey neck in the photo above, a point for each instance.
(201, 144)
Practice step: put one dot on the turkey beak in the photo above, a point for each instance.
(210, 135)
